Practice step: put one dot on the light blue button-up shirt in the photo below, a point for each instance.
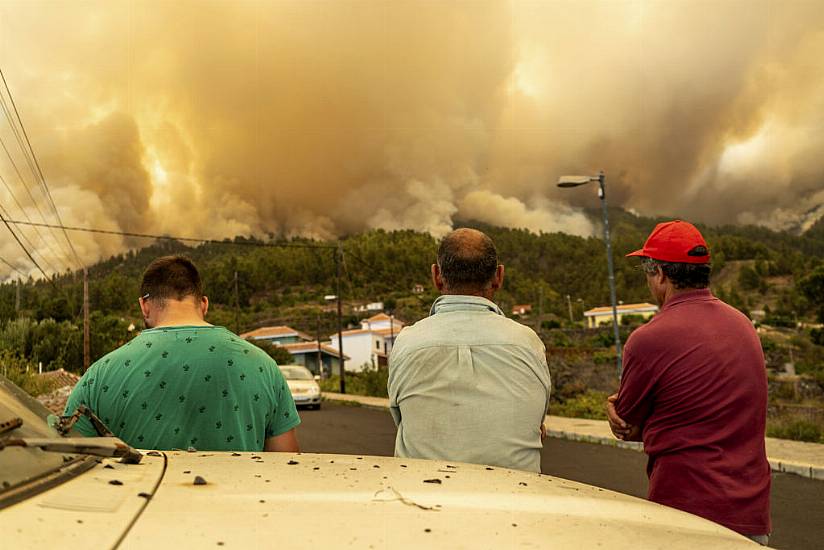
(467, 384)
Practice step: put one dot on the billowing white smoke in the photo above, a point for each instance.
(323, 118)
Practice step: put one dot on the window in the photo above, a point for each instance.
(377, 344)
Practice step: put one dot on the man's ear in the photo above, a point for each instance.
(437, 279)
(145, 308)
(498, 280)
(660, 276)
(204, 305)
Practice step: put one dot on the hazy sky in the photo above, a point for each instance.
(323, 117)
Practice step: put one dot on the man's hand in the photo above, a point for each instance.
(620, 429)
(543, 432)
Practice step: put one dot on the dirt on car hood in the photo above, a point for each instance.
(243, 500)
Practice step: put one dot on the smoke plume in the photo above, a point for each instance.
(321, 118)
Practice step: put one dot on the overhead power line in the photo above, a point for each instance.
(21, 144)
(39, 172)
(23, 210)
(28, 245)
(175, 238)
(26, 250)
(12, 267)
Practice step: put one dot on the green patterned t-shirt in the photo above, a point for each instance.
(180, 387)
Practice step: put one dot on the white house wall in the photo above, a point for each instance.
(359, 349)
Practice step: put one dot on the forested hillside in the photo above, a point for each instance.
(287, 284)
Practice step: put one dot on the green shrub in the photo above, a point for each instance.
(604, 339)
(590, 404)
(15, 369)
(371, 382)
(603, 357)
(768, 345)
(280, 354)
(796, 428)
(627, 320)
(559, 339)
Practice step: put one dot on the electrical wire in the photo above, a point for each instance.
(5, 221)
(23, 210)
(28, 245)
(175, 238)
(12, 267)
(38, 171)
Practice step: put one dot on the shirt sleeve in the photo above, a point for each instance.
(80, 396)
(545, 367)
(636, 392)
(284, 416)
(391, 385)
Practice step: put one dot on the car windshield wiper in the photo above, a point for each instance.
(107, 445)
(65, 423)
(96, 446)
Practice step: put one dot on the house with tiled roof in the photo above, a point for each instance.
(305, 350)
(603, 315)
(369, 345)
(277, 335)
(61, 383)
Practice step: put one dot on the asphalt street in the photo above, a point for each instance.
(797, 503)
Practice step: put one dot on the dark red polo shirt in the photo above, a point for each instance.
(694, 379)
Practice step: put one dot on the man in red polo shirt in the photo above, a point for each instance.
(694, 390)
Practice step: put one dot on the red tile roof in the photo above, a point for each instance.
(378, 317)
(62, 383)
(312, 347)
(60, 378)
(274, 332)
(623, 308)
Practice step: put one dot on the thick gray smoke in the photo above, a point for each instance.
(321, 118)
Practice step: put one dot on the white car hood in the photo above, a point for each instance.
(262, 500)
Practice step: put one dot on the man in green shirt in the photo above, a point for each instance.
(185, 383)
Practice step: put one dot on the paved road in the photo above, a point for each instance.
(797, 503)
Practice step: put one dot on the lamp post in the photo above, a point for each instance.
(575, 181)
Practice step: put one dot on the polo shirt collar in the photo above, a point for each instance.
(700, 294)
(461, 302)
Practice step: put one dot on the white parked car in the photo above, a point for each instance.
(303, 385)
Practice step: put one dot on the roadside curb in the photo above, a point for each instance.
(778, 463)
(797, 468)
(587, 438)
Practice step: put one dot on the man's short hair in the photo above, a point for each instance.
(467, 261)
(682, 275)
(171, 278)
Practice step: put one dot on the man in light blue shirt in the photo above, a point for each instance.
(466, 384)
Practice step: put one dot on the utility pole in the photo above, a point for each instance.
(317, 337)
(339, 266)
(602, 194)
(86, 336)
(237, 307)
(569, 305)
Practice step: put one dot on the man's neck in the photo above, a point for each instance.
(178, 315)
(488, 294)
(181, 322)
(673, 292)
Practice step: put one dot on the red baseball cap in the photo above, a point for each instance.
(676, 241)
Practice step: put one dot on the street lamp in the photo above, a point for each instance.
(575, 181)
